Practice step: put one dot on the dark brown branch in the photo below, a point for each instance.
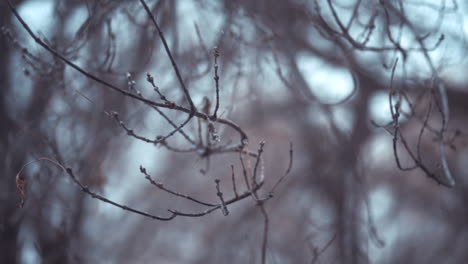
(259, 158)
(241, 197)
(162, 187)
(288, 170)
(169, 54)
(266, 222)
(192, 111)
(86, 190)
(216, 78)
(234, 187)
(221, 199)
(104, 199)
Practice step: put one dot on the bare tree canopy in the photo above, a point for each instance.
(326, 131)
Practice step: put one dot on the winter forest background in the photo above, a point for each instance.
(327, 131)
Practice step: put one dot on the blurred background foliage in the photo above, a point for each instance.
(316, 73)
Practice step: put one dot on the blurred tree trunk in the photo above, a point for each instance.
(9, 226)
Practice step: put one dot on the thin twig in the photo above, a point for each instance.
(162, 187)
(221, 199)
(242, 196)
(266, 221)
(259, 158)
(288, 170)
(169, 54)
(216, 78)
(234, 187)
